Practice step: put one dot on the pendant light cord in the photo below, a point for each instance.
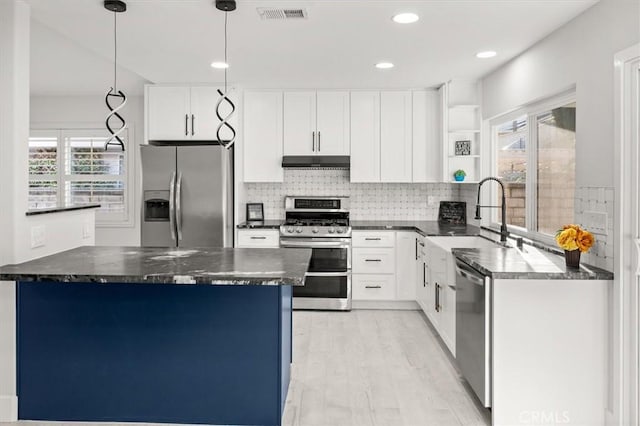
(115, 52)
(225, 51)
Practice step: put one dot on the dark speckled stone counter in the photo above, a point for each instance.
(266, 224)
(35, 212)
(222, 266)
(529, 263)
(428, 228)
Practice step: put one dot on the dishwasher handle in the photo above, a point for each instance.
(469, 273)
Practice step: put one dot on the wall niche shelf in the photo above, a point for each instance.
(461, 125)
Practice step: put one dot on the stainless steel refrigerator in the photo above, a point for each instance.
(187, 196)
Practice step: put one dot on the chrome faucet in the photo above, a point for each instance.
(503, 227)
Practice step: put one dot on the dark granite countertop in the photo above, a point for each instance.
(224, 266)
(61, 209)
(528, 263)
(265, 224)
(427, 228)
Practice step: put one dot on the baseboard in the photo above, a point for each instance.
(404, 305)
(8, 408)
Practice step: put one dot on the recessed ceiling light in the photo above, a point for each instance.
(486, 54)
(219, 65)
(384, 65)
(405, 18)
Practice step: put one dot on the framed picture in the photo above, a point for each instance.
(463, 147)
(255, 212)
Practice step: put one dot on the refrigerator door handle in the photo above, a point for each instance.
(179, 206)
(172, 206)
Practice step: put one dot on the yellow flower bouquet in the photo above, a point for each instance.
(574, 240)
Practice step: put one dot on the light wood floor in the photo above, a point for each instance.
(369, 368)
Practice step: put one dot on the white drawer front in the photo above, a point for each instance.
(374, 287)
(258, 238)
(373, 239)
(374, 261)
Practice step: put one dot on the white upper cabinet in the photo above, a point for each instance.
(427, 157)
(299, 123)
(365, 137)
(204, 121)
(183, 113)
(167, 112)
(396, 137)
(332, 118)
(316, 123)
(262, 141)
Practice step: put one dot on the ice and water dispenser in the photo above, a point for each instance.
(156, 206)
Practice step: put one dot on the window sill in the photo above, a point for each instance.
(35, 212)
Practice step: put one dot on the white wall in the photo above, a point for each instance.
(581, 54)
(90, 112)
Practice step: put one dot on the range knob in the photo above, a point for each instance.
(299, 229)
(290, 229)
(332, 230)
(339, 230)
(314, 230)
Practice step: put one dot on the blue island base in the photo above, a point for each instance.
(168, 353)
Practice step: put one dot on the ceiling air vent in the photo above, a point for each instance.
(267, 13)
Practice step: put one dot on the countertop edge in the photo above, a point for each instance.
(150, 279)
(36, 212)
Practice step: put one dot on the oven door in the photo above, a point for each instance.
(328, 279)
(328, 254)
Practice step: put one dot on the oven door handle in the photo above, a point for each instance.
(327, 274)
(313, 244)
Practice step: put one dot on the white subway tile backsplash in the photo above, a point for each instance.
(369, 201)
(597, 199)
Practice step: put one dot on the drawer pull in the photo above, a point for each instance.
(373, 260)
(373, 286)
(258, 238)
(373, 239)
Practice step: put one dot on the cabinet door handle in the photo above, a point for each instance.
(193, 127)
(186, 124)
(258, 238)
(318, 140)
(372, 239)
(313, 141)
(373, 260)
(437, 297)
(416, 249)
(372, 286)
(424, 275)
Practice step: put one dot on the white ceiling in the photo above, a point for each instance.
(336, 47)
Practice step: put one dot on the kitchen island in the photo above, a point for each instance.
(133, 334)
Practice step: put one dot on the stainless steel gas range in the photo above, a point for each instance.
(321, 224)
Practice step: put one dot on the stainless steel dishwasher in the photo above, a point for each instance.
(473, 329)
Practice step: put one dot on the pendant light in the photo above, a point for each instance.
(226, 6)
(115, 6)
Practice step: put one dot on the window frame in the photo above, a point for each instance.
(103, 219)
(532, 111)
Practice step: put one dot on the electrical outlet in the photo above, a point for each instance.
(87, 230)
(595, 222)
(37, 236)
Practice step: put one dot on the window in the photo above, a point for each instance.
(535, 158)
(69, 167)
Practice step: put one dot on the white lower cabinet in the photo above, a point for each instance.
(406, 261)
(258, 238)
(373, 261)
(373, 287)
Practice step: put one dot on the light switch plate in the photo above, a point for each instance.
(37, 236)
(595, 222)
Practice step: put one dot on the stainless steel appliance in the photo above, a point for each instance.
(187, 196)
(321, 224)
(473, 329)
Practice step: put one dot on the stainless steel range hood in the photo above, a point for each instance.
(342, 162)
